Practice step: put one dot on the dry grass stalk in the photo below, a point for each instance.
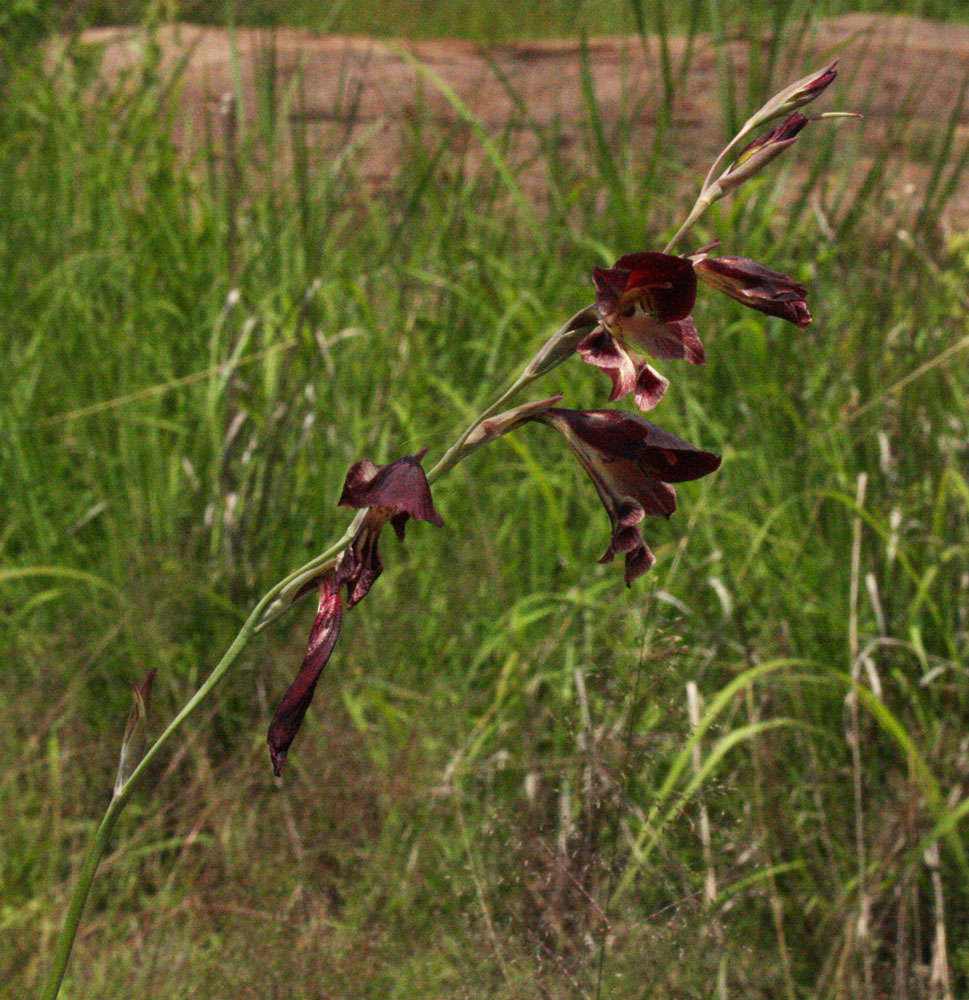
(853, 735)
(940, 981)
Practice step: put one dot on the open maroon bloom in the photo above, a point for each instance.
(392, 493)
(757, 286)
(644, 301)
(631, 463)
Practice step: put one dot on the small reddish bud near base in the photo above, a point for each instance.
(757, 286)
(135, 739)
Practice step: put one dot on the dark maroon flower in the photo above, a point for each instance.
(391, 493)
(644, 302)
(757, 286)
(631, 463)
(400, 488)
(323, 637)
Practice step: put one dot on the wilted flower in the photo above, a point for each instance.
(392, 493)
(644, 301)
(323, 637)
(631, 463)
(757, 286)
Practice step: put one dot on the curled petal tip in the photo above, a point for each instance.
(323, 636)
(638, 563)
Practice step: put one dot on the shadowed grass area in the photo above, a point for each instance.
(501, 789)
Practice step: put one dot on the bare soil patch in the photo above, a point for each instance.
(904, 75)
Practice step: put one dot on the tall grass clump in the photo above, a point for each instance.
(744, 775)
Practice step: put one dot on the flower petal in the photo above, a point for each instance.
(650, 387)
(360, 564)
(602, 349)
(757, 286)
(673, 340)
(631, 463)
(400, 486)
(638, 562)
(624, 437)
(323, 637)
(610, 284)
(639, 557)
(663, 282)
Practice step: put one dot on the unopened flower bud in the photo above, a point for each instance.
(796, 95)
(756, 286)
(761, 151)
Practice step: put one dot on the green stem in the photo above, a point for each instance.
(702, 204)
(560, 346)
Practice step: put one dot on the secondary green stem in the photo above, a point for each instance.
(100, 839)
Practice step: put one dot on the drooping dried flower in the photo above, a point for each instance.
(394, 493)
(323, 637)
